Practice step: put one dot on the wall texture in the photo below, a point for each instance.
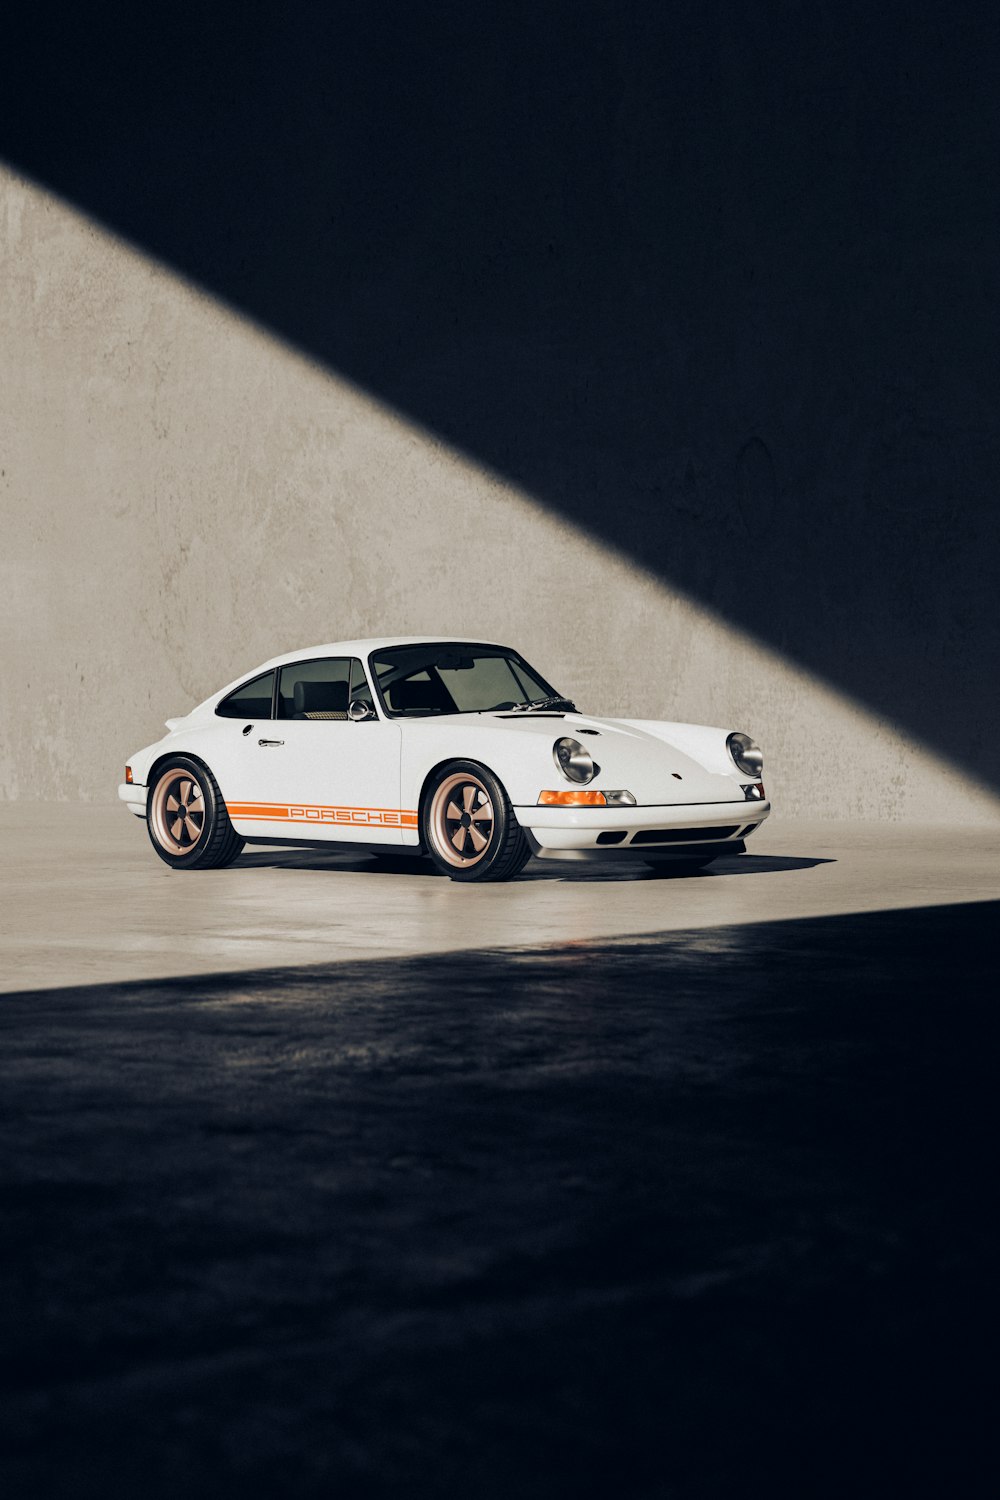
(184, 495)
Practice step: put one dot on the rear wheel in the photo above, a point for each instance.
(187, 820)
(468, 825)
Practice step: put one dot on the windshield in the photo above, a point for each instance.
(458, 679)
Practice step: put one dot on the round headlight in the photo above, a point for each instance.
(574, 760)
(747, 757)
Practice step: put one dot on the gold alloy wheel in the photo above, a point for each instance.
(178, 811)
(461, 820)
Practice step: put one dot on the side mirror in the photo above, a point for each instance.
(358, 710)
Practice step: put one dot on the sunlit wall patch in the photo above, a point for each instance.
(182, 383)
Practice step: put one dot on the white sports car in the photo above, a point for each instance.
(450, 748)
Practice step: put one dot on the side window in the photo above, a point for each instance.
(360, 691)
(251, 701)
(314, 689)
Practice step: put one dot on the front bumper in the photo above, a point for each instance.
(595, 832)
(134, 797)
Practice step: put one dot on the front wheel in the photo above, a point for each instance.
(468, 825)
(187, 820)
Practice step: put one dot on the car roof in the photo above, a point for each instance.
(366, 646)
(360, 648)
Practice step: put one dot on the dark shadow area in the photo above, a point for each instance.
(536, 869)
(698, 1215)
(334, 861)
(718, 283)
(766, 864)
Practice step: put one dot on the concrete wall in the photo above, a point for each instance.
(184, 495)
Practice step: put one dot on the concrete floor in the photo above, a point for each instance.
(697, 1209)
(83, 899)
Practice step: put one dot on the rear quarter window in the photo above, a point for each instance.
(251, 701)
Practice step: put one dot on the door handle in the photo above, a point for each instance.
(270, 742)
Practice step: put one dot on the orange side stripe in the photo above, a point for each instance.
(290, 812)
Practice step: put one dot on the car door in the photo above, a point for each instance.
(230, 741)
(318, 774)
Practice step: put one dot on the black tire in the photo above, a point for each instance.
(488, 847)
(663, 869)
(187, 821)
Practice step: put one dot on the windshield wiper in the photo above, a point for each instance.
(555, 700)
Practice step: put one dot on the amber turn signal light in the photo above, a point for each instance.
(572, 799)
(128, 775)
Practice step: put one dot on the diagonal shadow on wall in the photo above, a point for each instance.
(717, 284)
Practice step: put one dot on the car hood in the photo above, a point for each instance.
(660, 763)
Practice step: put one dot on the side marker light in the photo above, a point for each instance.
(128, 775)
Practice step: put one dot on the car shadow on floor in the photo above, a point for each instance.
(764, 864)
(537, 869)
